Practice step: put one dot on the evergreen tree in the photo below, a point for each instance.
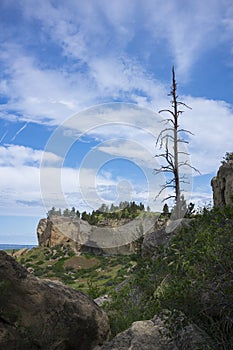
(165, 210)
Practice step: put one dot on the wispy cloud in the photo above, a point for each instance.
(3, 136)
(19, 131)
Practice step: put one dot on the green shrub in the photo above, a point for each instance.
(40, 262)
(58, 266)
(93, 290)
(193, 275)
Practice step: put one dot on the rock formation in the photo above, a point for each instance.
(222, 185)
(44, 314)
(162, 236)
(89, 238)
(154, 335)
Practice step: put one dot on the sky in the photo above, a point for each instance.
(81, 85)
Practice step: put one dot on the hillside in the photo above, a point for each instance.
(91, 274)
(191, 279)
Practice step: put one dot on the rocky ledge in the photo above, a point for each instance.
(81, 236)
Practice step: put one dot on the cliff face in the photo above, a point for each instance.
(81, 236)
(222, 185)
(59, 230)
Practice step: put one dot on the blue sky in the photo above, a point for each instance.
(80, 87)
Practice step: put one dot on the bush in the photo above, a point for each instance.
(193, 275)
(198, 266)
(58, 266)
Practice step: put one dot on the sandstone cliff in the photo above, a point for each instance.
(222, 185)
(85, 237)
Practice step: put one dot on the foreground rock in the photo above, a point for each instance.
(222, 185)
(162, 236)
(77, 233)
(44, 314)
(154, 335)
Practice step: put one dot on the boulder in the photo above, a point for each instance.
(155, 335)
(44, 314)
(144, 335)
(20, 252)
(162, 236)
(222, 185)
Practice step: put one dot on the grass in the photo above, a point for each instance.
(92, 275)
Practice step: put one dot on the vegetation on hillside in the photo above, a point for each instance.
(93, 275)
(193, 275)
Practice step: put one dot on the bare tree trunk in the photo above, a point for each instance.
(167, 137)
(176, 151)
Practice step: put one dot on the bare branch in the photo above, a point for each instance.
(167, 136)
(170, 181)
(163, 169)
(186, 131)
(183, 104)
(168, 197)
(190, 166)
(184, 182)
(163, 155)
(166, 121)
(164, 188)
(167, 110)
(160, 136)
(182, 140)
(181, 152)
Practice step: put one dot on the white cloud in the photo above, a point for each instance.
(189, 28)
(83, 32)
(211, 122)
(95, 42)
(39, 94)
(29, 190)
(17, 156)
(46, 95)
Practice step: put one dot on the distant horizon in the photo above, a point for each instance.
(4, 246)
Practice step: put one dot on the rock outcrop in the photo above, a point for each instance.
(44, 314)
(154, 335)
(162, 236)
(82, 236)
(222, 185)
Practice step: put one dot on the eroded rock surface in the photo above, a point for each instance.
(154, 335)
(83, 237)
(44, 314)
(222, 185)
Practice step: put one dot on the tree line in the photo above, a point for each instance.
(125, 210)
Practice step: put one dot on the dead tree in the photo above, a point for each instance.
(169, 140)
